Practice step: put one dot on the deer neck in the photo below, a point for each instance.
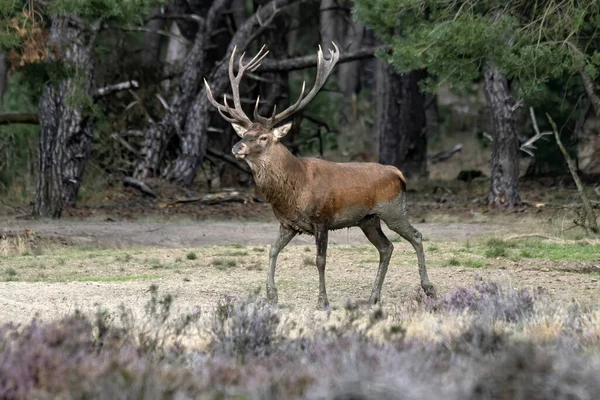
(279, 176)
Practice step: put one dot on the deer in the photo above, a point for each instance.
(314, 196)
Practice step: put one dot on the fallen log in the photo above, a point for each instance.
(139, 185)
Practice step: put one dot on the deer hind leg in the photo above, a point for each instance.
(321, 237)
(396, 218)
(371, 227)
(285, 236)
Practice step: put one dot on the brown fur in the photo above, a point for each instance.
(308, 192)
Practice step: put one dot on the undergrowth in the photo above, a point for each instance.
(489, 345)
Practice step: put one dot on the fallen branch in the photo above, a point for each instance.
(19, 118)
(139, 185)
(445, 155)
(216, 198)
(117, 87)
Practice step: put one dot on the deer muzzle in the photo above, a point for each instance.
(240, 150)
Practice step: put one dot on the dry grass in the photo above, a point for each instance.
(84, 275)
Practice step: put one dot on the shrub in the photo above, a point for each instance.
(487, 299)
(243, 328)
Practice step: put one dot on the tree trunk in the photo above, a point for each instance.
(194, 137)
(152, 43)
(275, 91)
(328, 23)
(65, 132)
(432, 116)
(401, 121)
(3, 74)
(504, 185)
(158, 135)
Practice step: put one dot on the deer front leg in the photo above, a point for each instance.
(321, 236)
(285, 235)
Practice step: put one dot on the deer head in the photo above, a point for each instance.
(262, 133)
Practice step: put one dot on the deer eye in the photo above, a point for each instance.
(263, 138)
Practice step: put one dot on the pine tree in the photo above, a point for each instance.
(516, 47)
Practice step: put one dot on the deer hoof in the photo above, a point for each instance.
(272, 295)
(323, 304)
(429, 290)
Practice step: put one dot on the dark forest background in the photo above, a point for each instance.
(96, 92)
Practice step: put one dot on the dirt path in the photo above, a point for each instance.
(201, 233)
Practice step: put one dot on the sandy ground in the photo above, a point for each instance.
(142, 254)
(201, 233)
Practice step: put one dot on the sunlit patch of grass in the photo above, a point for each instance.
(432, 248)
(191, 256)
(496, 251)
(10, 272)
(222, 263)
(238, 246)
(308, 262)
(230, 253)
(581, 251)
(259, 249)
(307, 249)
(473, 263)
(453, 262)
(155, 263)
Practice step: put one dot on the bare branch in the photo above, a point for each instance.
(185, 17)
(292, 64)
(117, 87)
(528, 146)
(19, 118)
(142, 29)
(445, 155)
(591, 226)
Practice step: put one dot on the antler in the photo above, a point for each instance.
(236, 114)
(324, 68)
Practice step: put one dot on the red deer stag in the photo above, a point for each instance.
(314, 196)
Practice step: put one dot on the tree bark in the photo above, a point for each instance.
(504, 185)
(152, 42)
(3, 74)
(275, 92)
(159, 134)
(401, 121)
(589, 84)
(193, 138)
(65, 132)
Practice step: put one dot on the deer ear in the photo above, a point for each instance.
(282, 130)
(239, 129)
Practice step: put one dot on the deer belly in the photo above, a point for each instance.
(348, 217)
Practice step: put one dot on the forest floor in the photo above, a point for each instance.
(52, 268)
(115, 244)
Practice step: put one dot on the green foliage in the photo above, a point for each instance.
(18, 143)
(531, 42)
(124, 11)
